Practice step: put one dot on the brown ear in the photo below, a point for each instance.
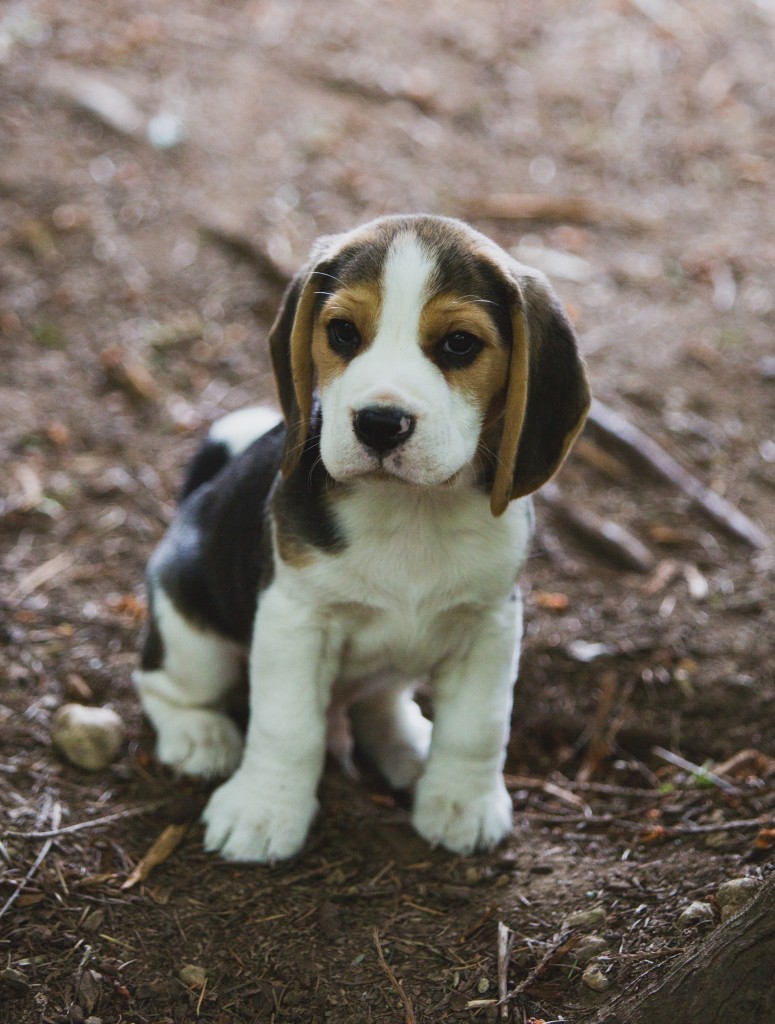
(290, 341)
(547, 395)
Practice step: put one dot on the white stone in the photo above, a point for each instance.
(193, 976)
(595, 978)
(696, 913)
(733, 895)
(86, 736)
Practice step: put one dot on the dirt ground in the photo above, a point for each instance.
(145, 233)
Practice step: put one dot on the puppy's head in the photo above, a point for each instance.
(432, 351)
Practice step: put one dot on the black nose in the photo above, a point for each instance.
(383, 427)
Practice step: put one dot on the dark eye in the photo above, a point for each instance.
(459, 349)
(343, 337)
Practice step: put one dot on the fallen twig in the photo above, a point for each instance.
(604, 788)
(159, 851)
(230, 233)
(94, 823)
(613, 427)
(533, 206)
(664, 831)
(562, 944)
(409, 1016)
(127, 372)
(599, 744)
(505, 942)
(104, 101)
(40, 575)
(56, 814)
(762, 763)
(610, 539)
(695, 769)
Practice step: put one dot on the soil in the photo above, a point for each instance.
(143, 246)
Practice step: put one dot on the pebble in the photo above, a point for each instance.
(733, 895)
(696, 913)
(595, 978)
(585, 918)
(590, 947)
(86, 736)
(193, 976)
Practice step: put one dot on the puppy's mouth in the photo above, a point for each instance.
(397, 467)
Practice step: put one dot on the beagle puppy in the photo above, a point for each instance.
(367, 542)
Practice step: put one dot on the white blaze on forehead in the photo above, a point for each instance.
(406, 279)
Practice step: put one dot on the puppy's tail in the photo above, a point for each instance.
(228, 437)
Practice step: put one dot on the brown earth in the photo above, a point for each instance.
(136, 287)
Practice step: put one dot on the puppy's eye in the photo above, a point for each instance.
(459, 349)
(343, 337)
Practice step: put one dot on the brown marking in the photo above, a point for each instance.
(548, 392)
(293, 551)
(485, 378)
(514, 419)
(359, 303)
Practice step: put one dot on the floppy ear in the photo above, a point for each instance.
(547, 394)
(290, 341)
(290, 346)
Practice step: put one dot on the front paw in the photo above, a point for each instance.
(462, 821)
(245, 822)
(198, 742)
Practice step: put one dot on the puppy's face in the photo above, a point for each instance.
(432, 351)
(409, 357)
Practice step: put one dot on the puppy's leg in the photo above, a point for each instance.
(186, 674)
(393, 733)
(264, 811)
(461, 800)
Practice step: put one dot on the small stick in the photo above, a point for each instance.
(599, 745)
(641, 448)
(604, 788)
(505, 942)
(94, 823)
(409, 1017)
(40, 575)
(612, 540)
(479, 923)
(562, 944)
(534, 206)
(159, 851)
(695, 769)
(55, 817)
(228, 231)
(761, 762)
(666, 831)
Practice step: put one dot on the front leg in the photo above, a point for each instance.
(461, 801)
(263, 813)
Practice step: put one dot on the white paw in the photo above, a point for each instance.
(247, 823)
(199, 742)
(462, 822)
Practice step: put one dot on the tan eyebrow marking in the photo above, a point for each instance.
(486, 377)
(360, 303)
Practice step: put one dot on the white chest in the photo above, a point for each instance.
(417, 572)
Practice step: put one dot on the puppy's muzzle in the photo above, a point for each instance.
(382, 428)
